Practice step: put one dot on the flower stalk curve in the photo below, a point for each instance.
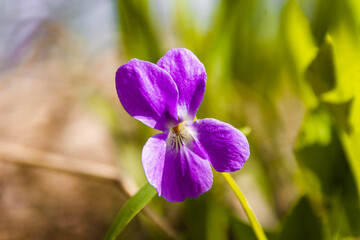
(259, 232)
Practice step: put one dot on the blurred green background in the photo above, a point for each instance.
(286, 72)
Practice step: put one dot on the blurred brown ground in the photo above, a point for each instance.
(49, 140)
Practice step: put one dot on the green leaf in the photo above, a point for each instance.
(316, 129)
(350, 133)
(130, 209)
(330, 183)
(326, 161)
(340, 113)
(296, 33)
(240, 230)
(302, 223)
(321, 72)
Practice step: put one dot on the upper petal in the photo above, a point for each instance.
(190, 77)
(176, 174)
(226, 146)
(148, 93)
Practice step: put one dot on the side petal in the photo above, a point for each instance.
(148, 94)
(176, 173)
(190, 77)
(227, 147)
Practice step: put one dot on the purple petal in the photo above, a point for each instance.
(227, 147)
(176, 174)
(148, 93)
(190, 77)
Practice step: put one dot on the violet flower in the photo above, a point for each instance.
(166, 96)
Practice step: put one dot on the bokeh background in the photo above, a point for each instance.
(285, 72)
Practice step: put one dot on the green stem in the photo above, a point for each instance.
(259, 232)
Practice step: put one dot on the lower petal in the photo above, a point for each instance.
(176, 173)
(226, 146)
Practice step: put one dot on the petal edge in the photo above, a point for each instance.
(147, 93)
(226, 146)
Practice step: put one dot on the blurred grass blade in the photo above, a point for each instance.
(130, 209)
(138, 32)
(302, 223)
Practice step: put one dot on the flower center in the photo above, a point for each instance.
(179, 136)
